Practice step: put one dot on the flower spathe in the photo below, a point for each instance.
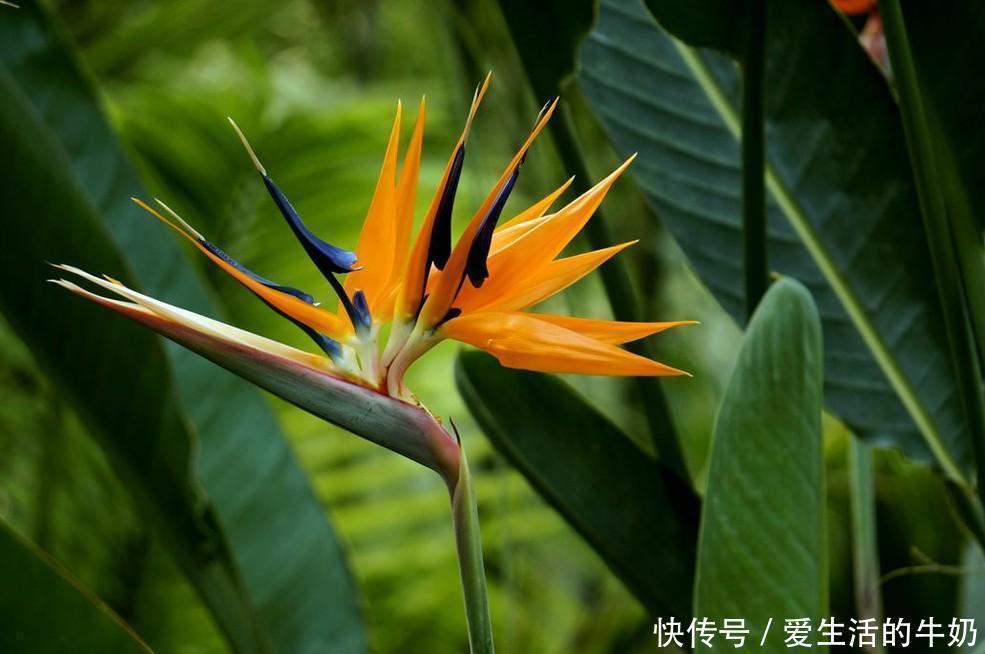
(477, 291)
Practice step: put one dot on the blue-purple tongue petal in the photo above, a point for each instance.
(329, 346)
(439, 249)
(364, 320)
(475, 265)
(328, 258)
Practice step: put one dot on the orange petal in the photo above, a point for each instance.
(376, 247)
(448, 281)
(508, 233)
(852, 7)
(520, 340)
(318, 319)
(551, 235)
(412, 286)
(611, 331)
(535, 210)
(407, 196)
(503, 295)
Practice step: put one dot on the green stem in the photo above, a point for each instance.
(967, 237)
(615, 279)
(754, 251)
(969, 510)
(930, 191)
(465, 516)
(865, 554)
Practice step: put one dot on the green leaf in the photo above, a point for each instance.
(844, 216)
(303, 591)
(942, 119)
(930, 181)
(703, 23)
(58, 489)
(638, 516)
(864, 537)
(69, 342)
(761, 551)
(44, 610)
(548, 59)
(546, 35)
(951, 93)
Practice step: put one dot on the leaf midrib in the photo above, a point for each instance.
(849, 300)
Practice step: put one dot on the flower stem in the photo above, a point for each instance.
(465, 516)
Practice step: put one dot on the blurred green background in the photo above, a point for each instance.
(314, 85)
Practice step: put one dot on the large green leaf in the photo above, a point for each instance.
(703, 23)
(548, 58)
(638, 516)
(761, 553)
(300, 585)
(58, 489)
(43, 610)
(120, 393)
(548, 54)
(948, 153)
(843, 212)
(954, 95)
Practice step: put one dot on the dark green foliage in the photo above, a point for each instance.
(636, 513)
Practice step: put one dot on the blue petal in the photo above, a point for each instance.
(475, 264)
(454, 312)
(439, 249)
(328, 258)
(363, 317)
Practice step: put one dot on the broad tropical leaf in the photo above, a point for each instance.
(843, 214)
(638, 516)
(44, 610)
(548, 55)
(703, 23)
(59, 490)
(116, 402)
(301, 586)
(952, 93)
(761, 551)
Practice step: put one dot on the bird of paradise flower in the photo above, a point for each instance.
(476, 292)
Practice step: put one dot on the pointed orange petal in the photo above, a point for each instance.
(318, 319)
(535, 210)
(448, 281)
(376, 247)
(519, 340)
(501, 294)
(406, 197)
(412, 285)
(552, 234)
(611, 331)
(508, 233)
